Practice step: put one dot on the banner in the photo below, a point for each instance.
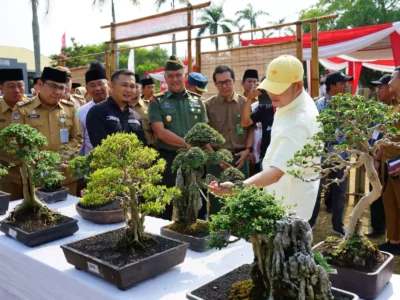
(145, 27)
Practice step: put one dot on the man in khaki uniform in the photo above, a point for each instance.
(142, 108)
(56, 119)
(13, 87)
(78, 100)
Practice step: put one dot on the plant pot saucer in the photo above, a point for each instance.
(366, 285)
(101, 217)
(52, 197)
(219, 288)
(127, 275)
(33, 239)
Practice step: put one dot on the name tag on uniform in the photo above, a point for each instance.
(33, 116)
(167, 105)
(64, 135)
(375, 134)
(133, 121)
(112, 118)
(194, 104)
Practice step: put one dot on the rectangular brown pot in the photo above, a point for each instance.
(128, 275)
(365, 285)
(195, 243)
(52, 197)
(4, 201)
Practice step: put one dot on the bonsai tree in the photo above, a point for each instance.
(45, 174)
(285, 266)
(129, 171)
(355, 121)
(189, 164)
(24, 142)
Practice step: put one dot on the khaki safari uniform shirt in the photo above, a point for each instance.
(78, 100)
(179, 113)
(142, 108)
(224, 116)
(6, 159)
(50, 121)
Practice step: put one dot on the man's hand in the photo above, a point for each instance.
(243, 156)
(254, 93)
(225, 165)
(221, 189)
(395, 172)
(252, 158)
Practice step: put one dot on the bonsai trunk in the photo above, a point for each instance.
(187, 206)
(262, 253)
(30, 201)
(368, 199)
(134, 232)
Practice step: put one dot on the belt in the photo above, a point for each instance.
(235, 151)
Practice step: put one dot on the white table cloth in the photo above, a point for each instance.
(42, 272)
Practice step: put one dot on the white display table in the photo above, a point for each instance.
(43, 273)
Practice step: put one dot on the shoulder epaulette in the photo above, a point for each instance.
(78, 96)
(24, 102)
(70, 103)
(158, 94)
(193, 93)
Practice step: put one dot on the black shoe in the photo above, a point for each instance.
(341, 232)
(391, 248)
(329, 210)
(375, 233)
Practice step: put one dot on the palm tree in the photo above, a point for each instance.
(101, 4)
(287, 30)
(238, 26)
(160, 3)
(214, 19)
(36, 33)
(250, 15)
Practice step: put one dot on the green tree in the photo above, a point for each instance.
(160, 3)
(239, 27)
(250, 15)
(285, 30)
(214, 19)
(36, 33)
(352, 13)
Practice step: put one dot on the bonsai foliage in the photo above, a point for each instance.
(45, 173)
(128, 171)
(284, 266)
(189, 164)
(353, 121)
(24, 142)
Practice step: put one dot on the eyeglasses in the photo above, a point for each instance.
(55, 87)
(228, 82)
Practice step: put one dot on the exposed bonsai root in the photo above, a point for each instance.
(127, 242)
(200, 227)
(30, 214)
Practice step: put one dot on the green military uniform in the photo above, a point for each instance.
(142, 108)
(50, 120)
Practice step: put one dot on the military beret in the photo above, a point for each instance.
(198, 80)
(11, 74)
(250, 73)
(54, 75)
(147, 81)
(174, 64)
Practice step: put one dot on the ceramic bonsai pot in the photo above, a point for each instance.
(52, 197)
(197, 244)
(32, 239)
(126, 275)
(101, 217)
(4, 201)
(365, 285)
(219, 288)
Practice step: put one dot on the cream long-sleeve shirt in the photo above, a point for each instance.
(293, 125)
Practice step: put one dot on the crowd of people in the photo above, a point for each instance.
(263, 127)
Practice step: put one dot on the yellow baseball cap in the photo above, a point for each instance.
(281, 73)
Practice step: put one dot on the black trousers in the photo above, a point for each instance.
(377, 211)
(338, 198)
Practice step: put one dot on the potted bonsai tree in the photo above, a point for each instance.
(49, 179)
(4, 197)
(128, 255)
(31, 222)
(99, 203)
(189, 164)
(362, 268)
(284, 267)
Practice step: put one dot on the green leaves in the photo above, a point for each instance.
(45, 173)
(247, 212)
(189, 159)
(232, 174)
(202, 134)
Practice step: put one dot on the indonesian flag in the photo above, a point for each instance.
(63, 45)
(163, 86)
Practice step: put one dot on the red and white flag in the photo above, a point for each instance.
(63, 45)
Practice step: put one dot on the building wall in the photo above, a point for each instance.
(23, 55)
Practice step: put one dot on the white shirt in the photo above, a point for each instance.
(82, 113)
(293, 125)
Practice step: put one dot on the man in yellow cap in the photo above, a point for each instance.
(54, 117)
(78, 100)
(294, 122)
(12, 87)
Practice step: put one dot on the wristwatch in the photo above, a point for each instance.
(250, 149)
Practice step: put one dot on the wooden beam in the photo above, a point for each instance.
(167, 13)
(149, 45)
(189, 32)
(158, 33)
(112, 47)
(107, 64)
(299, 45)
(314, 60)
(248, 47)
(198, 55)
